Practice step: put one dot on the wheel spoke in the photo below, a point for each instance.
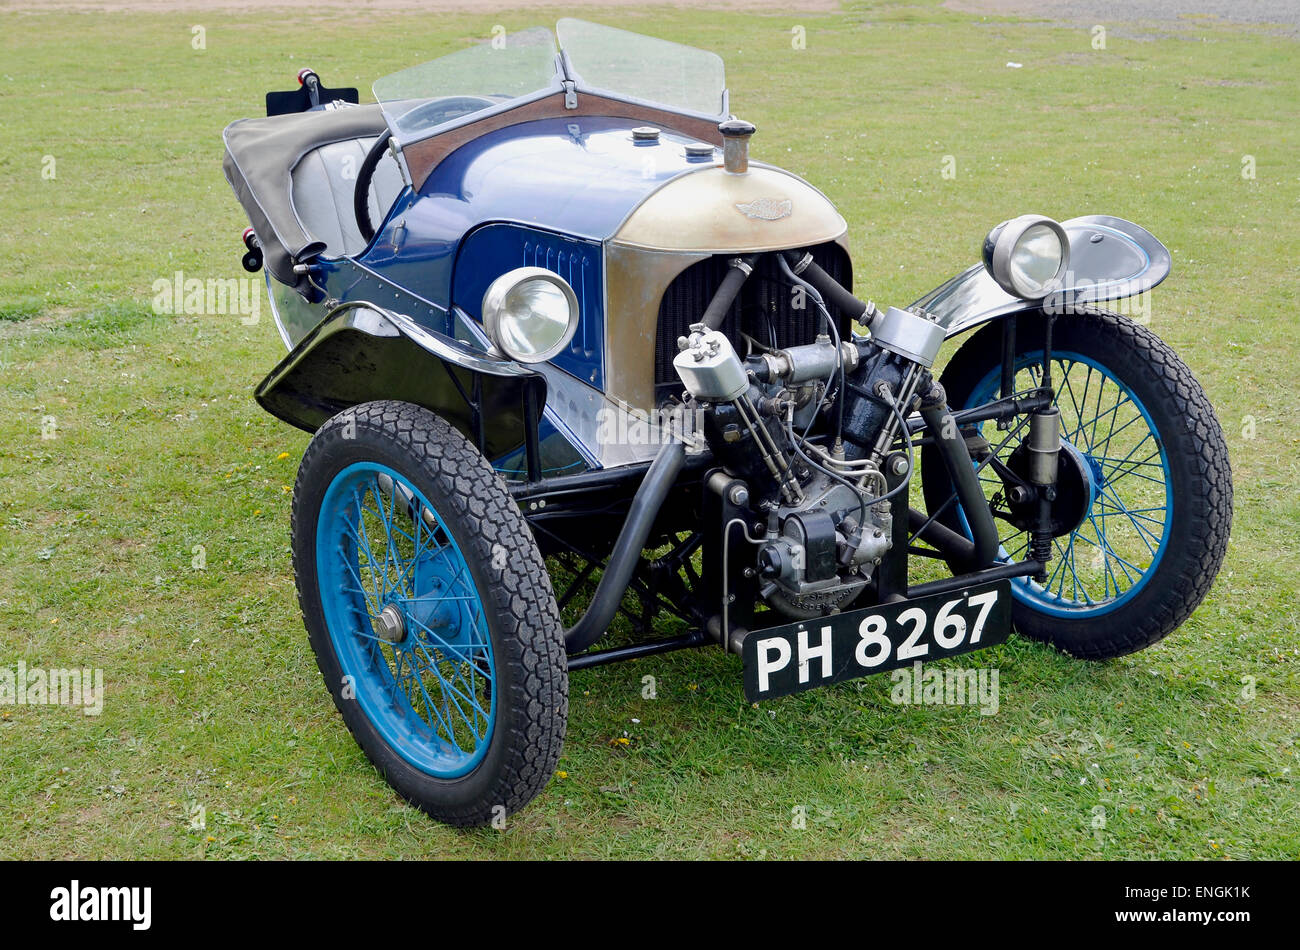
(1131, 452)
(438, 598)
(443, 713)
(1077, 585)
(365, 540)
(1127, 467)
(451, 692)
(1116, 462)
(1124, 565)
(444, 720)
(1087, 384)
(1065, 378)
(1143, 532)
(442, 644)
(390, 549)
(1105, 446)
(371, 603)
(1059, 570)
(1067, 566)
(1095, 421)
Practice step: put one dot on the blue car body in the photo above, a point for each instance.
(529, 182)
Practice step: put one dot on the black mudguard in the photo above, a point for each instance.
(1110, 259)
(361, 352)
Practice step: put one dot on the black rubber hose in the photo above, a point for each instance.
(726, 293)
(957, 460)
(943, 538)
(649, 498)
(361, 195)
(832, 290)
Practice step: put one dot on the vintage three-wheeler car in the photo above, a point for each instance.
(562, 345)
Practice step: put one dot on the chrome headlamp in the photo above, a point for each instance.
(530, 314)
(1027, 256)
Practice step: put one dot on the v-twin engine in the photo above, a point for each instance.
(809, 429)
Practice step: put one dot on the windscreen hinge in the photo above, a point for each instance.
(570, 93)
(399, 159)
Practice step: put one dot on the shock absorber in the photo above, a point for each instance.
(1044, 446)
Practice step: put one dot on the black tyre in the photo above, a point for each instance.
(1153, 492)
(430, 612)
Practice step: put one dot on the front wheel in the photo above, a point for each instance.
(1145, 483)
(430, 612)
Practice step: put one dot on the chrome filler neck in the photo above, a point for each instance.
(735, 145)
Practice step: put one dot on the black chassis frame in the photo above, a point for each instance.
(362, 351)
(497, 405)
(566, 512)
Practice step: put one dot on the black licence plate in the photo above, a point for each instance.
(799, 656)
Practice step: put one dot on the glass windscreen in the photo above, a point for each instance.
(471, 80)
(643, 67)
(512, 66)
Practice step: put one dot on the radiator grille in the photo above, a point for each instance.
(764, 309)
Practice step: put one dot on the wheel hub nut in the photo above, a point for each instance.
(391, 627)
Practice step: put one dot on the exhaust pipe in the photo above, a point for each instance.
(957, 460)
(649, 498)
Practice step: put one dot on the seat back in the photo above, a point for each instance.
(324, 182)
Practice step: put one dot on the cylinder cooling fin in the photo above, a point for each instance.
(766, 308)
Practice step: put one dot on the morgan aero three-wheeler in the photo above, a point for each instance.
(573, 362)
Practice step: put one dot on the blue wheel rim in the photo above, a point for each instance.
(1107, 560)
(381, 545)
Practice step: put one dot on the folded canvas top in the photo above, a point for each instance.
(261, 155)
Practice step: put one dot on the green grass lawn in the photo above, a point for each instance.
(213, 699)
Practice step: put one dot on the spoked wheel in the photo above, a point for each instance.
(430, 612)
(1144, 494)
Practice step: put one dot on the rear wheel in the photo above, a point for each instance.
(1144, 470)
(430, 612)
